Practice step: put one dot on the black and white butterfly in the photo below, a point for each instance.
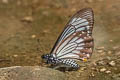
(75, 42)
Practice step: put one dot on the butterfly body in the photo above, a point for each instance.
(50, 59)
(75, 42)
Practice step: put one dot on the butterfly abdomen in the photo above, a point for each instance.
(70, 63)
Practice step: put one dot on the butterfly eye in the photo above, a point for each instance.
(43, 56)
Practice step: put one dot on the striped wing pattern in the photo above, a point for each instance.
(76, 42)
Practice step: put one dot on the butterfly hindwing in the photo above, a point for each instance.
(78, 47)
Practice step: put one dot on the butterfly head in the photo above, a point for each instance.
(48, 58)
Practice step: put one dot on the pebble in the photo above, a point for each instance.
(95, 69)
(5, 1)
(83, 68)
(109, 58)
(100, 48)
(111, 40)
(101, 63)
(109, 52)
(33, 36)
(103, 69)
(94, 63)
(15, 55)
(108, 72)
(46, 31)
(27, 19)
(112, 63)
(100, 51)
(92, 74)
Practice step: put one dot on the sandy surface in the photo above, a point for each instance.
(29, 29)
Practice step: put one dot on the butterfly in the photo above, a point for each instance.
(75, 42)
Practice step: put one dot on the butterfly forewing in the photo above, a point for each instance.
(76, 42)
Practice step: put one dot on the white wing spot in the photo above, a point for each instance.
(79, 48)
(76, 51)
(74, 19)
(88, 31)
(85, 37)
(79, 40)
(88, 55)
(88, 27)
(83, 53)
(81, 44)
(81, 22)
(83, 32)
(79, 19)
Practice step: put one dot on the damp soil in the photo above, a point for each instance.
(29, 29)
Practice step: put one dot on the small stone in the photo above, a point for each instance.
(109, 58)
(101, 63)
(83, 68)
(94, 63)
(92, 74)
(103, 69)
(111, 40)
(108, 72)
(5, 1)
(109, 52)
(27, 19)
(112, 63)
(15, 55)
(33, 36)
(100, 48)
(46, 31)
(100, 51)
(95, 69)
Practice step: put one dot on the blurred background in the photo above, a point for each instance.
(29, 29)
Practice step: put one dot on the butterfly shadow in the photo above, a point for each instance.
(62, 69)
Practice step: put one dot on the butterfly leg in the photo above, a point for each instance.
(56, 67)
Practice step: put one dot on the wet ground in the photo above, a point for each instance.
(29, 29)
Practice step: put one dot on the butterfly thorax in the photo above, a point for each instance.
(50, 59)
